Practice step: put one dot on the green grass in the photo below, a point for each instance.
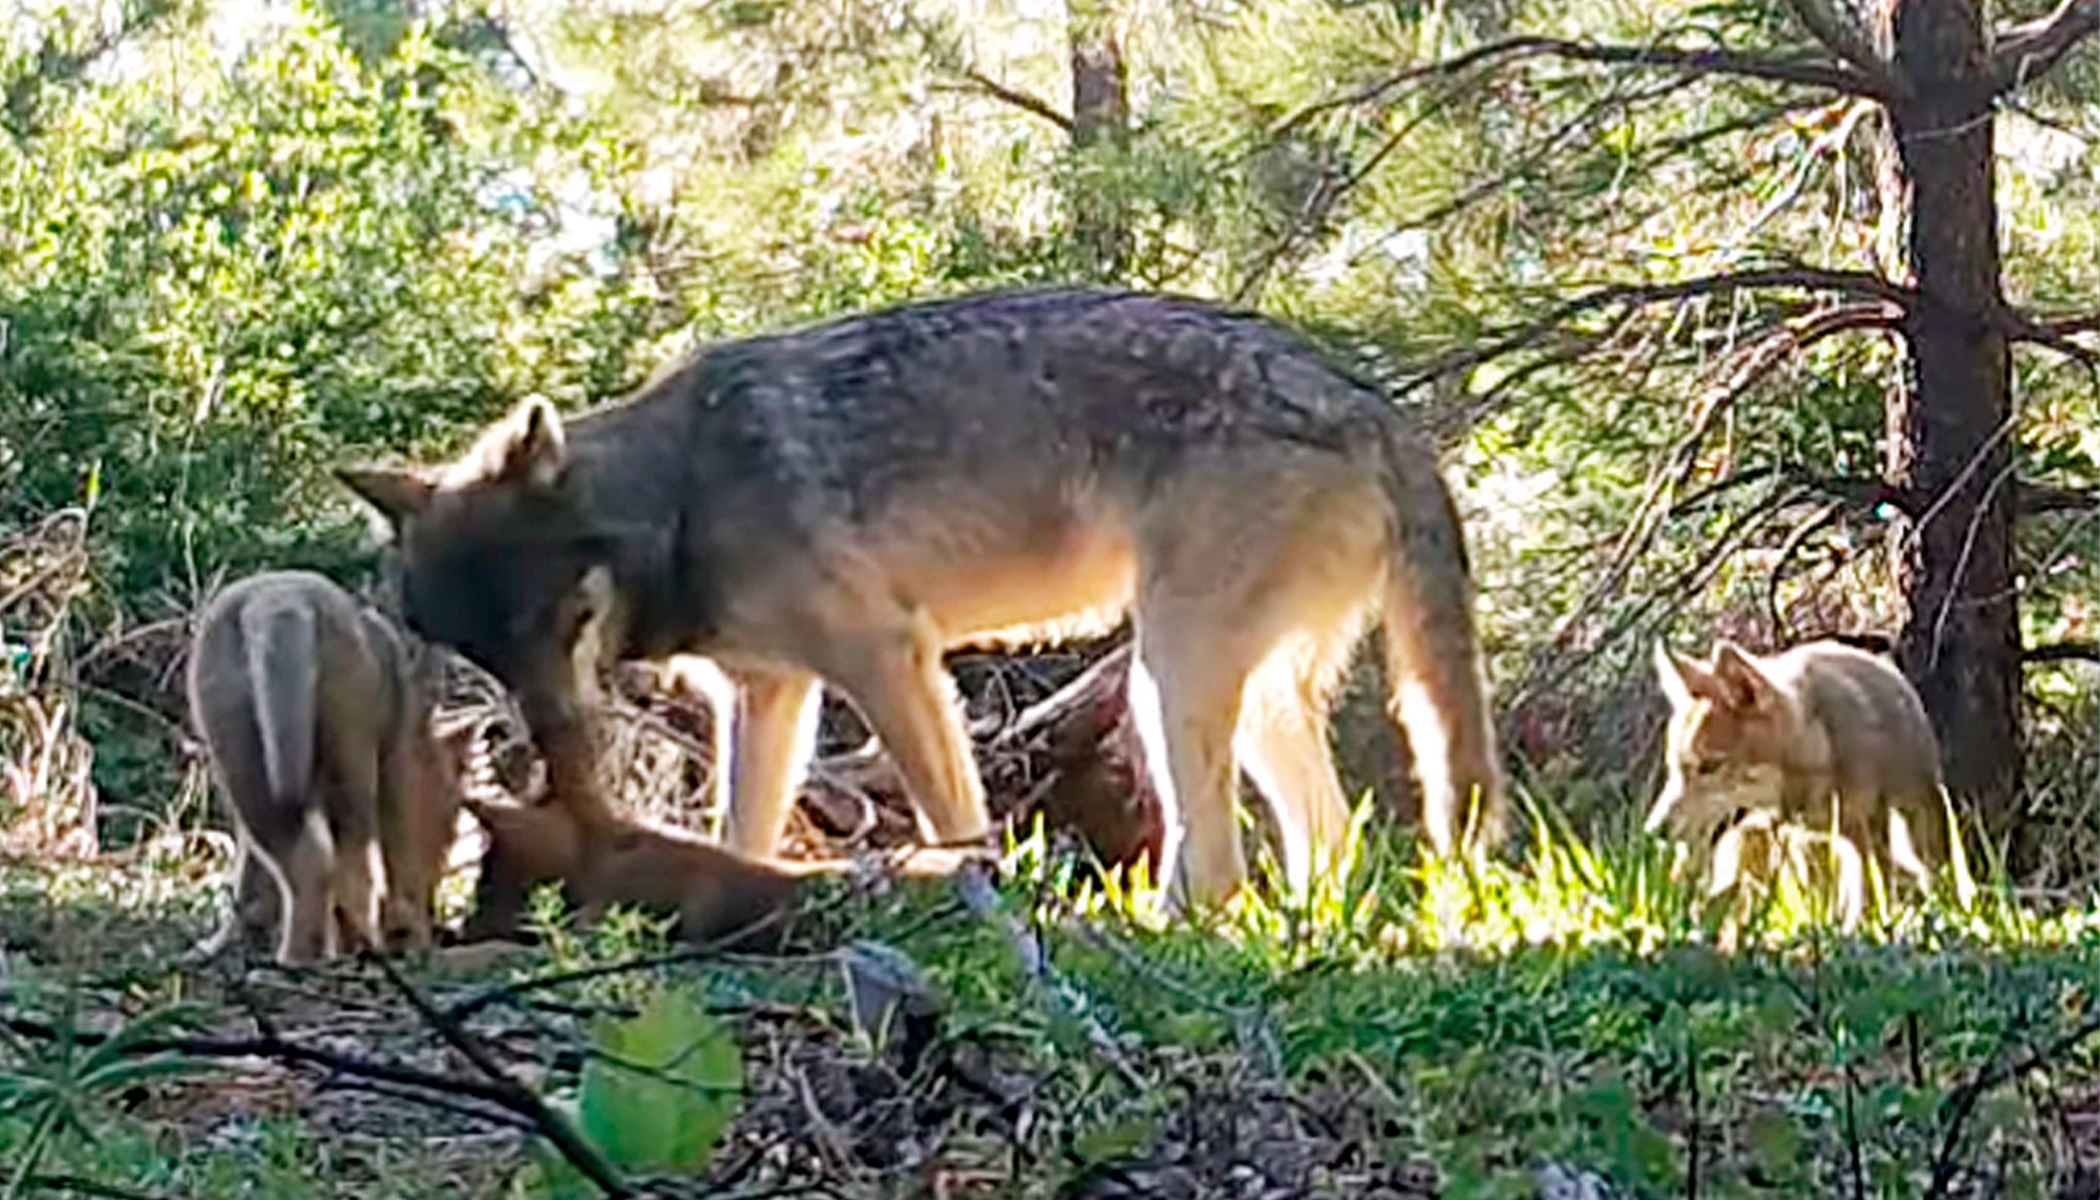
(1473, 1025)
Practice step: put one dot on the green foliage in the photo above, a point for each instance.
(58, 1094)
(657, 1093)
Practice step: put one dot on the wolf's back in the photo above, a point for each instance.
(1872, 716)
(260, 654)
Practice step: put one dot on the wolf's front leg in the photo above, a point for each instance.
(895, 677)
(771, 736)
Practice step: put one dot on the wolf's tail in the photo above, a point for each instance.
(284, 663)
(1438, 682)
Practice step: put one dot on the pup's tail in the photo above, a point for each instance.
(283, 648)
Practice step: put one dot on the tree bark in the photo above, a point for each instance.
(1100, 117)
(1949, 437)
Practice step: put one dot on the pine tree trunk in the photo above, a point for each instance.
(1950, 442)
(1100, 117)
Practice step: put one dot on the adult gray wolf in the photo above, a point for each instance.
(848, 500)
(316, 716)
(1824, 735)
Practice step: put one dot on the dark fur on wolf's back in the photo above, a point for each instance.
(844, 500)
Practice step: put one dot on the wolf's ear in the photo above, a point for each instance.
(531, 446)
(398, 494)
(1670, 671)
(1738, 674)
(1683, 680)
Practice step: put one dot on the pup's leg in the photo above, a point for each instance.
(357, 875)
(1185, 699)
(301, 864)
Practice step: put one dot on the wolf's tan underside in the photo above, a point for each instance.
(319, 737)
(847, 502)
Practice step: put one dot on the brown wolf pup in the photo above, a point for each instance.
(1823, 736)
(847, 501)
(317, 721)
(715, 895)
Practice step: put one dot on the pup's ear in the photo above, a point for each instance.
(1744, 683)
(396, 492)
(1675, 675)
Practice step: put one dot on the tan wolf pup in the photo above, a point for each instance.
(844, 502)
(716, 896)
(316, 716)
(1823, 736)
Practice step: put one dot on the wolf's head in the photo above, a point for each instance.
(497, 551)
(1729, 725)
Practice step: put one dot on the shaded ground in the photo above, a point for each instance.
(1276, 1059)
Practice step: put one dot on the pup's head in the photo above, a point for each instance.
(498, 552)
(528, 844)
(1727, 734)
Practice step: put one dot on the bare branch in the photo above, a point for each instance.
(1862, 284)
(515, 1096)
(1836, 26)
(1027, 102)
(950, 56)
(1960, 1103)
(1858, 493)
(2062, 652)
(2028, 52)
(1805, 71)
(2019, 327)
(2036, 499)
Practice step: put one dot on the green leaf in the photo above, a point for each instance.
(663, 1084)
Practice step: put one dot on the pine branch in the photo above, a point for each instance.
(1861, 284)
(2062, 652)
(2028, 52)
(1813, 72)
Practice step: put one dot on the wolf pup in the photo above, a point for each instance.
(714, 895)
(317, 721)
(1824, 736)
(846, 501)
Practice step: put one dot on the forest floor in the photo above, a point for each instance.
(1558, 1024)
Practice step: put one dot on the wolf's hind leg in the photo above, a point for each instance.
(1185, 691)
(1282, 742)
(301, 865)
(357, 875)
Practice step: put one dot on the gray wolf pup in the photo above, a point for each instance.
(846, 501)
(1823, 735)
(316, 717)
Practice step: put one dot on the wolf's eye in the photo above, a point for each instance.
(1707, 769)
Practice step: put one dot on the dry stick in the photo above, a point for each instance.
(1781, 627)
(274, 1048)
(81, 1186)
(551, 1125)
(1962, 1102)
